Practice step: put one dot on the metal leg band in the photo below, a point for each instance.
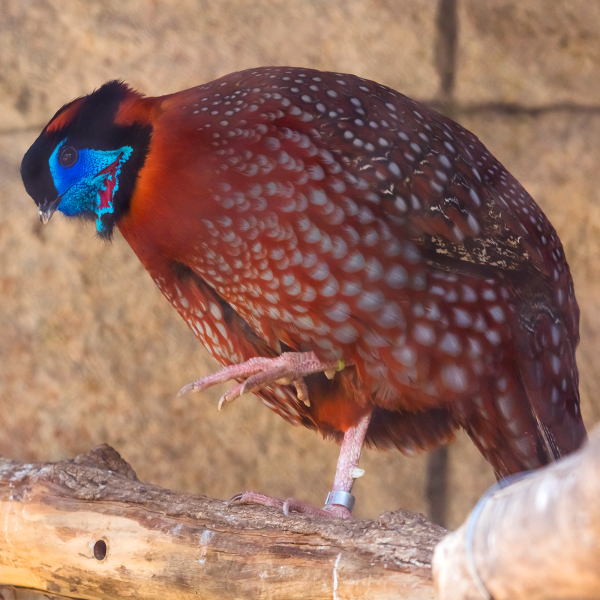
(341, 498)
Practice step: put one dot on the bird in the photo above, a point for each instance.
(359, 261)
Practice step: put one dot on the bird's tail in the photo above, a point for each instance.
(529, 415)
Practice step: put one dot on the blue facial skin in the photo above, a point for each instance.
(80, 185)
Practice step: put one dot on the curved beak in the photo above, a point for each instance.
(48, 207)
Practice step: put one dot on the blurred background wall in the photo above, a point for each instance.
(91, 352)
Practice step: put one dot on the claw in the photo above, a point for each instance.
(302, 391)
(185, 389)
(232, 394)
(254, 498)
(233, 499)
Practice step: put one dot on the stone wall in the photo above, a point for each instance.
(91, 352)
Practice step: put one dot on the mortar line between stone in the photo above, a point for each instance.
(445, 48)
(24, 129)
(499, 108)
(515, 109)
(436, 475)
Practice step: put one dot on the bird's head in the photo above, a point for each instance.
(86, 160)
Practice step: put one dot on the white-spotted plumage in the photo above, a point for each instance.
(346, 219)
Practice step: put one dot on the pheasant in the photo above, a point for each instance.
(360, 262)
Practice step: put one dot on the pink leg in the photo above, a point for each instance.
(339, 501)
(347, 470)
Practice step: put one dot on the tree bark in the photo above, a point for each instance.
(536, 539)
(88, 528)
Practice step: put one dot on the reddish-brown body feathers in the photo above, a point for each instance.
(292, 209)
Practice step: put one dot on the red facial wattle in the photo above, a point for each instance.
(105, 193)
(109, 186)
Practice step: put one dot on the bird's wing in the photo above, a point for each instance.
(383, 232)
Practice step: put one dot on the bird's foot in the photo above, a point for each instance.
(292, 505)
(289, 367)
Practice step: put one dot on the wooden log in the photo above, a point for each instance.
(536, 539)
(16, 593)
(88, 528)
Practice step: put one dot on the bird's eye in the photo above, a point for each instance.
(68, 157)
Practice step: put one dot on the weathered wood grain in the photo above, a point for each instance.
(162, 544)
